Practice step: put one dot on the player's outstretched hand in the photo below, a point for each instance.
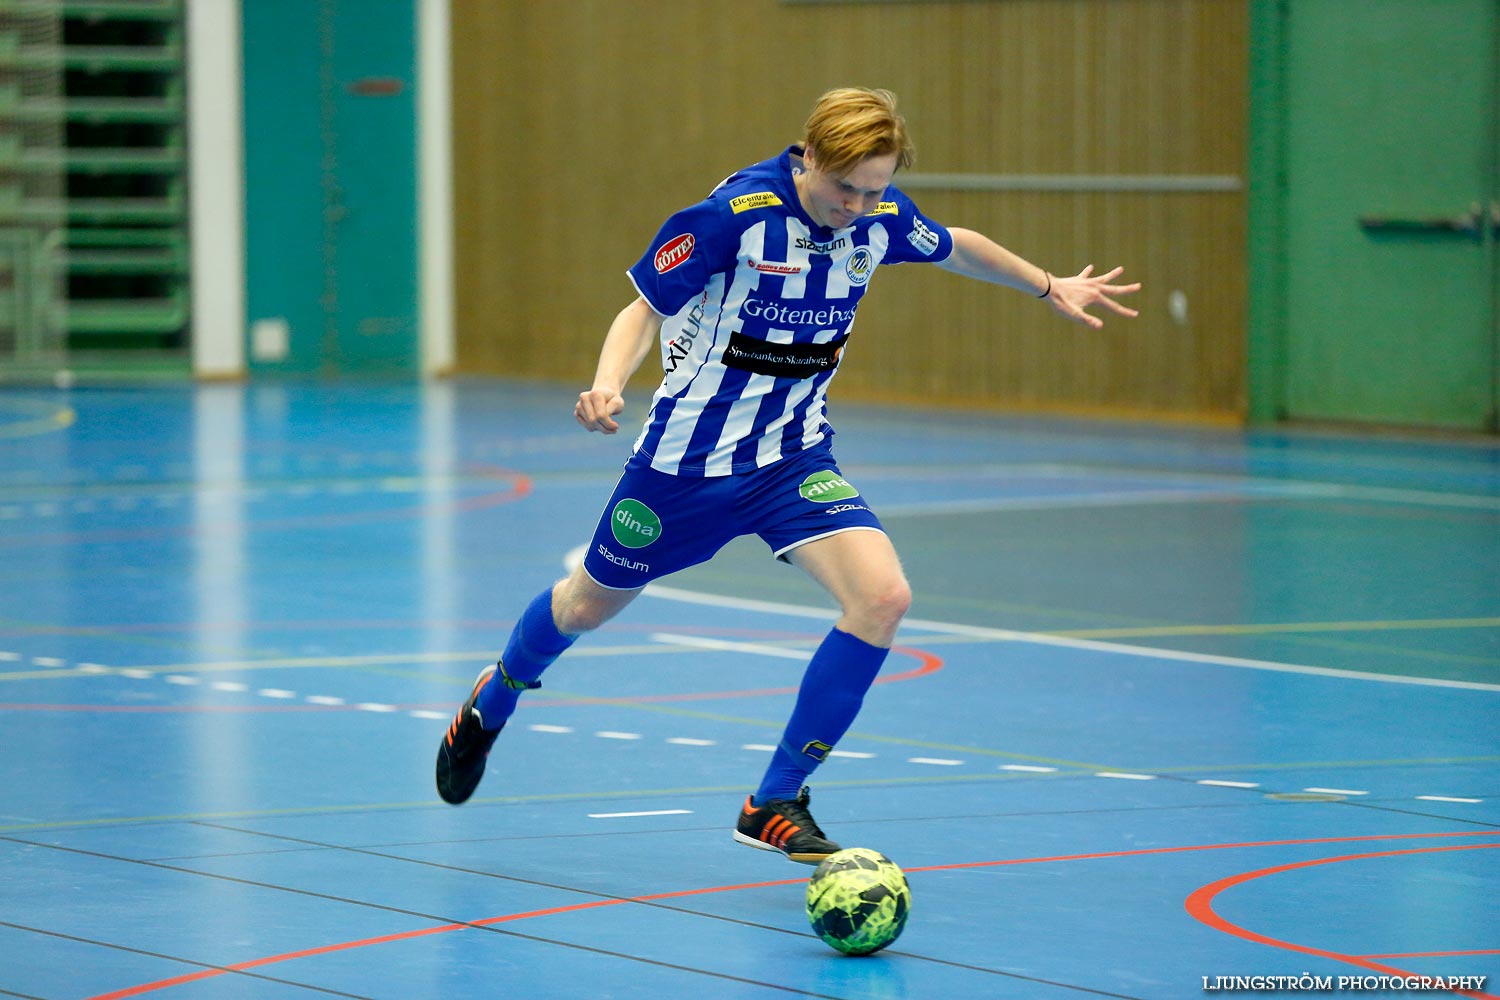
(1071, 296)
(596, 410)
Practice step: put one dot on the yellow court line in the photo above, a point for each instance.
(1275, 628)
(509, 800)
(1322, 765)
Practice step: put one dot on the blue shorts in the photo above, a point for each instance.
(655, 523)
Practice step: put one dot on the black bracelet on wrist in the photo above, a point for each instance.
(1049, 285)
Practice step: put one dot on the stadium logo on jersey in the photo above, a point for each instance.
(886, 208)
(674, 252)
(635, 525)
(922, 238)
(769, 267)
(859, 266)
(813, 246)
(760, 199)
(821, 487)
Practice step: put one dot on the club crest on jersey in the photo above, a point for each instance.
(673, 252)
(859, 266)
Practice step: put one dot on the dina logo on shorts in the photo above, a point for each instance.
(635, 525)
(826, 486)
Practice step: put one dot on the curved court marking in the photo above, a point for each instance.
(51, 419)
(191, 977)
(1200, 904)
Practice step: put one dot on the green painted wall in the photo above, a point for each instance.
(1378, 111)
(331, 204)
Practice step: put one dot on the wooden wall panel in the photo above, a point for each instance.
(581, 124)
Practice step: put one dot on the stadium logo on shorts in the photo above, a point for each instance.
(826, 486)
(635, 525)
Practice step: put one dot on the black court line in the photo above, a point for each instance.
(206, 966)
(22, 996)
(1376, 807)
(660, 831)
(435, 918)
(656, 904)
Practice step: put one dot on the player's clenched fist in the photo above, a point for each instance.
(596, 410)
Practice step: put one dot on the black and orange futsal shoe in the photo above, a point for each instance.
(784, 825)
(465, 748)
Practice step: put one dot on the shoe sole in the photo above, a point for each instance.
(800, 857)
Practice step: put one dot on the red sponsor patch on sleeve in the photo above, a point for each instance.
(674, 252)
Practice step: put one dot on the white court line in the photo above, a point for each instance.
(1446, 798)
(649, 812)
(1228, 784)
(1335, 791)
(1042, 639)
(1111, 498)
(702, 642)
(1127, 776)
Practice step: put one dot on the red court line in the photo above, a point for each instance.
(133, 991)
(1200, 905)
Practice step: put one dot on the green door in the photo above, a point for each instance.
(1388, 155)
(331, 190)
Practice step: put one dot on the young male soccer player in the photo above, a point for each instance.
(752, 294)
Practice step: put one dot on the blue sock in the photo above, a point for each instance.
(534, 643)
(832, 691)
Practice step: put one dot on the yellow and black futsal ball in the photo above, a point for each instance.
(858, 901)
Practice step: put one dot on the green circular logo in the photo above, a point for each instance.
(635, 525)
(826, 486)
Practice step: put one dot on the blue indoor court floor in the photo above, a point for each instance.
(1178, 711)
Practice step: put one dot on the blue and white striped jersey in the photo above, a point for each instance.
(759, 301)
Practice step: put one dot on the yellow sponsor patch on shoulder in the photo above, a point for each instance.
(886, 208)
(760, 199)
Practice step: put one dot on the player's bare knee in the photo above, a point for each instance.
(880, 611)
(579, 605)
